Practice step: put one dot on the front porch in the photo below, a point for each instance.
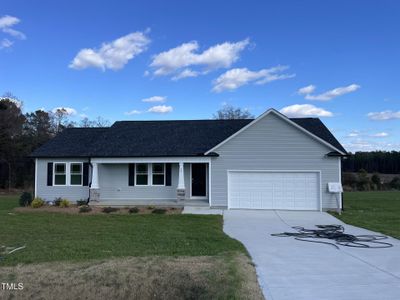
(171, 182)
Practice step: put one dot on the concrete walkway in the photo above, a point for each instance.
(290, 269)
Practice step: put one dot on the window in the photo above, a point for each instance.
(142, 176)
(60, 177)
(158, 174)
(76, 173)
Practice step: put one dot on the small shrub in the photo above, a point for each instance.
(85, 209)
(81, 202)
(150, 207)
(109, 209)
(159, 211)
(57, 201)
(25, 199)
(133, 210)
(395, 183)
(37, 202)
(65, 203)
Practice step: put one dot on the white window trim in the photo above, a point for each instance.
(67, 173)
(163, 173)
(149, 175)
(136, 174)
(70, 173)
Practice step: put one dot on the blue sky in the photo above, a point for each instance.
(338, 60)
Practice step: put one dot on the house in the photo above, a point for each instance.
(271, 162)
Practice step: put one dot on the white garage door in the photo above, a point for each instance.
(273, 190)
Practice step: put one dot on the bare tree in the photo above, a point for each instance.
(98, 122)
(228, 112)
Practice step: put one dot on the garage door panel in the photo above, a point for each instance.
(274, 190)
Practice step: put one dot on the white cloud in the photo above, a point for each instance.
(353, 134)
(309, 89)
(15, 33)
(185, 74)
(6, 43)
(70, 111)
(133, 112)
(83, 116)
(113, 55)
(153, 99)
(380, 134)
(328, 95)
(384, 115)
(360, 144)
(186, 55)
(6, 24)
(161, 109)
(236, 78)
(305, 110)
(8, 21)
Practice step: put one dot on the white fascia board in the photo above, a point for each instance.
(116, 160)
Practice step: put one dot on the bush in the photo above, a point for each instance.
(37, 202)
(57, 201)
(159, 211)
(150, 207)
(376, 180)
(65, 203)
(395, 183)
(85, 209)
(133, 210)
(25, 199)
(363, 180)
(109, 209)
(81, 202)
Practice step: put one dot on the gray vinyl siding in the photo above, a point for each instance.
(113, 181)
(49, 193)
(272, 144)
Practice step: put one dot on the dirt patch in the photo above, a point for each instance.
(210, 277)
(96, 210)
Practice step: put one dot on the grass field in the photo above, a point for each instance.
(377, 211)
(122, 256)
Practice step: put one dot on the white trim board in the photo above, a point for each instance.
(283, 117)
(126, 160)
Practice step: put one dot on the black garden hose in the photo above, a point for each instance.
(336, 234)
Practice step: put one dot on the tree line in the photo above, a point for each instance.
(21, 133)
(373, 162)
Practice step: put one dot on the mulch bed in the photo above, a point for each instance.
(73, 209)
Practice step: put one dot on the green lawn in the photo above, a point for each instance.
(377, 211)
(64, 237)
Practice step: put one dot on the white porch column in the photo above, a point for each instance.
(94, 186)
(180, 190)
(181, 181)
(95, 176)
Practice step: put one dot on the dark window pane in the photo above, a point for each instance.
(158, 179)
(141, 168)
(76, 168)
(59, 179)
(141, 180)
(60, 168)
(76, 179)
(158, 168)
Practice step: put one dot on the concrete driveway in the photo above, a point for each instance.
(290, 269)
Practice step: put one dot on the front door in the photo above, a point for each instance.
(199, 180)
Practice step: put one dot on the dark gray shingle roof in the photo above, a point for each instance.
(157, 138)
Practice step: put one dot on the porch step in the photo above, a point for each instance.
(201, 210)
